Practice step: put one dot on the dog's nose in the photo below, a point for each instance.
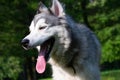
(25, 43)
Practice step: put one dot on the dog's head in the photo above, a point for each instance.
(44, 24)
(47, 29)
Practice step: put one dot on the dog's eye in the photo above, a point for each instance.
(43, 27)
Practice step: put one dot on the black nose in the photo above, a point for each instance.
(25, 43)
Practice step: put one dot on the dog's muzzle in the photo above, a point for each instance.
(25, 43)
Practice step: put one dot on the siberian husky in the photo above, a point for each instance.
(72, 49)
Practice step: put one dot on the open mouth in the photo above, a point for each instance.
(44, 54)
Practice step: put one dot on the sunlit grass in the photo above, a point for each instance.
(111, 75)
(46, 79)
(106, 75)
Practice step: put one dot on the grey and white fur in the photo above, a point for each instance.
(76, 51)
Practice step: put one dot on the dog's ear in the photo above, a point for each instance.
(57, 8)
(42, 8)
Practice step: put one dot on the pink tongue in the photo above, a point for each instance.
(41, 64)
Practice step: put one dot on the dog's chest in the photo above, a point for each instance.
(62, 74)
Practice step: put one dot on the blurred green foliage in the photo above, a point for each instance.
(102, 16)
(9, 67)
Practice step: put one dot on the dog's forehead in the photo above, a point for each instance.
(48, 18)
(39, 17)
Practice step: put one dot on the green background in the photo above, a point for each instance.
(101, 16)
